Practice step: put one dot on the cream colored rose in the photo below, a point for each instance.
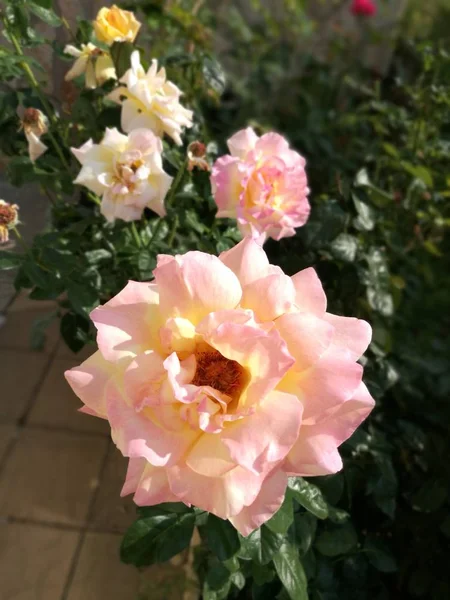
(116, 25)
(150, 101)
(95, 63)
(126, 171)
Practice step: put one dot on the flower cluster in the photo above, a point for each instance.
(126, 171)
(223, 377)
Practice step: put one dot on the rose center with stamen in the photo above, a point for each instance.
(224, 375)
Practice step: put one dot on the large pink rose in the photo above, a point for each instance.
(262, 184)
(222, 377)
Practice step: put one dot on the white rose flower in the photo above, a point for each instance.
(150, 101)
(126, 171)
(94, 62)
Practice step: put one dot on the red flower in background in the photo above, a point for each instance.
(365, 8)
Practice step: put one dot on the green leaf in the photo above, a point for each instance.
(146, 261)
(37, 335)
(217, 581)
(344, 247)
(74, 331)
(309, 496)
(378, 196)
(168, 507)
(336, 541)
(262, 574)
(37, 275)
(214, 75)
(305, 525)
(121, 56)
(419, 172)
(366, 215)
(84, 31)
(290, 571)
(47, 15)
(82, 298)
(9, 260)
(95, 256)
(283, 518)
(378, 285)
(157, 538)
(222, 537)
(379, 555)
(260, 546)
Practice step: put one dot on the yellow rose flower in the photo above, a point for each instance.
(116, 25)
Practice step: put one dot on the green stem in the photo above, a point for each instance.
(21, 240)
(155, 233)
(94, 198)
(35, 85)
(173, 231)
(173, 190)
(176, 184)
(135, 233)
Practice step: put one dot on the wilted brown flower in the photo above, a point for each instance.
(34, 124)
(9, 217)
(196, 153)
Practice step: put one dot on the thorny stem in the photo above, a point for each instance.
(35, 85)
(21, 240)
(173, 190)
(155, 233)
(135, 233)
(173, 231)
(175, 185)
(94, 198)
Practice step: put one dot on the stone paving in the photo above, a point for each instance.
(61, 516)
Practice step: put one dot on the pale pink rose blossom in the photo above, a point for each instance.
(223, 377)
(262, 184)
(126, 171)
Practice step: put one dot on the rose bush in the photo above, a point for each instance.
(223, 377)
(377, 168)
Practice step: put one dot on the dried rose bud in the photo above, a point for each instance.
(9, 217)
(196, 153)
(34, 124)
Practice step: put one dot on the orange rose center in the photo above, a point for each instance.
(224, 375)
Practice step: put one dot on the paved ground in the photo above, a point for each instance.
(61, 517)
